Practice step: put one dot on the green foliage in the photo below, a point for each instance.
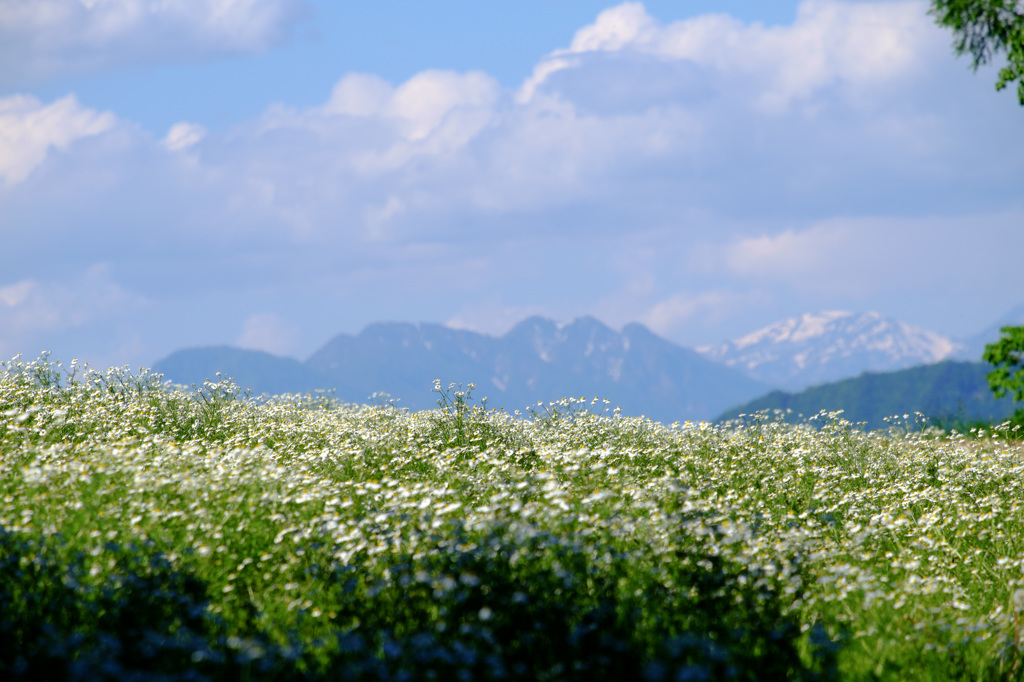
(459, 423)
(167, 535)
(1007, 357)
(498, 608)
(983, 28)
(532, 606)
(457, 415)
(143, 620)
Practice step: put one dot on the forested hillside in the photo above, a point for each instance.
(948, 390)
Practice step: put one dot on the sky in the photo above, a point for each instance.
(270, 173)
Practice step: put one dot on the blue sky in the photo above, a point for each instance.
(269, 173)
(394, 40)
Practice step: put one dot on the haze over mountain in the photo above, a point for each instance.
(819, 347)
(253, 369)
(973, 346)
(537, 360)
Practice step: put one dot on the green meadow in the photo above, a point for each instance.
(157, 532)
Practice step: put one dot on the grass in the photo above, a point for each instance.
(153, 532)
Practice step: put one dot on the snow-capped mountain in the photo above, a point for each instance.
(818, 347)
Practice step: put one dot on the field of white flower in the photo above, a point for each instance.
(463, 543)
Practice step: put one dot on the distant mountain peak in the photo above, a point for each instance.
(795, 329)
(828, 345)
(538, 358)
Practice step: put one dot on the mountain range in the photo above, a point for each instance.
(644, 374)
(537, 360)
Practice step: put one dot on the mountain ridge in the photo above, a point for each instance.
(540, 360)
(537, 360)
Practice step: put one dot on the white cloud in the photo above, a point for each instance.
(380, 162)
(616, 29)
(183, 135)
(857, 45)
(372, 131)
(792, 254)
(41, 39)
(29, 130)
(360, 94)
(670, 315)
(420, 104)
(428, 97)
(268, 332)
(433, 113)
(656, 124)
